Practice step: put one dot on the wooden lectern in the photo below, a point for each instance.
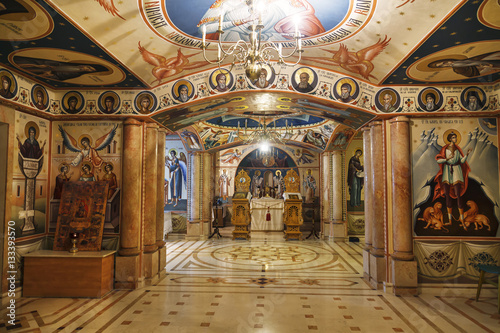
(292, 212)
(241, 206)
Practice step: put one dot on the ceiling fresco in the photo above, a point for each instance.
(362, 59)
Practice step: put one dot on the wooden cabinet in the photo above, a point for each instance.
(241, 218)
(62, 274)
(292, 216)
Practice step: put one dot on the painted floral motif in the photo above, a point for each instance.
(310, 282)
(452, 104)
(439, 260)
(482, 258)
(263, 281)
(216, 280)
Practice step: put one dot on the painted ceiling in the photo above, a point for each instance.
(137, 50)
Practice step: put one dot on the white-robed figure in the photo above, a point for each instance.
(277, 16)
(279, 184)
(256, 184)
(224, 182)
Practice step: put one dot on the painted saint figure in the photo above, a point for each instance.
(221, 82)
(30, 148)
(5, 89)
(61, 178)
(262, 81)
(110, 177)
(224, 181)
(310, 186)
(279, 184)
(87, 175)
(175, 178)
(452, 178)
(355, 179)
(256, 184)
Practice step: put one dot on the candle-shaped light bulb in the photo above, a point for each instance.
(279, 49)
(300, 44)
(204, 34)
(218, 52)
(220, 22)
(296, 29)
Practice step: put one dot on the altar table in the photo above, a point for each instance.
(258, 208)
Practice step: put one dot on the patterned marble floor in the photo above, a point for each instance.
(263, 285)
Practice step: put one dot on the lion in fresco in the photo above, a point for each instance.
(472, 216)
(433, 216)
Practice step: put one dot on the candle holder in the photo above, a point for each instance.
(74, 239)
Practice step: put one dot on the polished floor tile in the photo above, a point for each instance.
(263, 285)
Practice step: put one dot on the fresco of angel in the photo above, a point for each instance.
(109, 6)
(231, 155)
(355, 62)
(87, 153)
(177, 168)
(302, 156)
(164, 67)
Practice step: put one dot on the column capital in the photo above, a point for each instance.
(399, 119)
(162, 130)
(365, 128)
(152, 125)
(376, 123)
(132, 121)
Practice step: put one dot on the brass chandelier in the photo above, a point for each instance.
(264, 136)
(253, 55)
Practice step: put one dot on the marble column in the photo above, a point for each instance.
(368, 200)
(150, 249)
(160, 201)
(377, 252)
(201, 196)
(127, 269)
(338, 228)
(404, 267)
(324, 190)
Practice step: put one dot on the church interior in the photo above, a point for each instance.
(249, 165)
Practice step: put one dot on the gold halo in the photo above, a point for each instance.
(61, 165)
(109, 163)
(257, 172)
(78, 100)
(457, 133)
(341, 83)
(37, 89)
(278, 172)
(183, 82)
(426, 92)
(79, 143)
(479, 93)
(387, 91)
(115, 98)
(171, 150)
(219, 71)
(27, 127)
(87, 164)
(12, 86)
(304, 70)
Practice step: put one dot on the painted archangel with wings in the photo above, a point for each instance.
(87, 153)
